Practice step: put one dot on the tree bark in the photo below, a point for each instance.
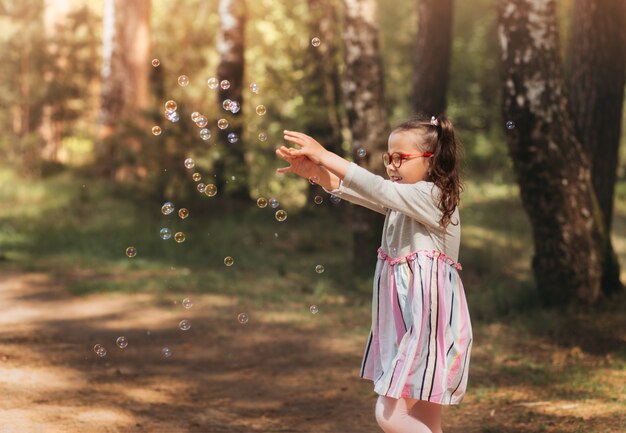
(553, 172)
(125, 73)
(432, 57)
(231, 67)
(365, 106)
(55, 18)
(325, 77)
(598, 69)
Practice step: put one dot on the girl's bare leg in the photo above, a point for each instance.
(407, 415)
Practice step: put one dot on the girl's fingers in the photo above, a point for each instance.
(283, 170)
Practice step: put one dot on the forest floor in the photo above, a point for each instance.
(66, 285)
(285, 370)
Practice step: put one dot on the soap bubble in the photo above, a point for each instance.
(229, 261)
(187, 303)
(165, 233)
(121, 342)
(261, 202)
(235, 107)
(183, 213)
(243, 318)
(194, 116)
(156, 130)
(274, 203)
(184, 325)
(254, 88)
(201, 121)
(210, 190)
(314, 309)
(171, 106)
(183, 80)
(232, 138)
(316, 42)
(318, 199)
(222, 124)
(335, 199)
(156, 63)
(212, 83)
(319, 269)
(196, 177)
(166, 352)
(100, 350)
(189, 163)
(226, 104)
(172, 116)
(262, 136)
(205, 134)
(361, 152)
(131, 252)
(510, 125)
(201, 187)
(261, 110)
(225, 84)
(179, 237)
(167, 208)
(281, 215)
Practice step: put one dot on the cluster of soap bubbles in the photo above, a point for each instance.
(171, 112)
(101, 351)
(232, 106)
(168, 208)
(280, 215)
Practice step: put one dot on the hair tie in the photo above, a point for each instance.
(434, 121)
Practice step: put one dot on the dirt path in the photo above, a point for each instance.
(269, 375)
(222, 376)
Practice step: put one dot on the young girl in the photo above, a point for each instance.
(418, 350)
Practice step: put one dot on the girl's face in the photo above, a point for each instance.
(412, 169)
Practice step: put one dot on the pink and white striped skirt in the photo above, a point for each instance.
(420, 342)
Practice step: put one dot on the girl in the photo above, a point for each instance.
(419, 346)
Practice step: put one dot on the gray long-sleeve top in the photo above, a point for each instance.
(411, 213)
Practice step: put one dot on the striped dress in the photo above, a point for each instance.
(420, 341)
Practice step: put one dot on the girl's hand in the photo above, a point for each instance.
(309, 147)
(300, 165)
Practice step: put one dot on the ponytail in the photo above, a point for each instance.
(439, 138)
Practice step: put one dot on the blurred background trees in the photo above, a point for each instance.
(79, 93)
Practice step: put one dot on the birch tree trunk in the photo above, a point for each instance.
(432, 57)
(552, 169)
(598, 69)
(365, 106)
(231, 67)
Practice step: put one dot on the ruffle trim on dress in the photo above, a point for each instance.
(429, 253)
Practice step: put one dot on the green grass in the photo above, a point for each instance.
(523, 353)
(66, 224)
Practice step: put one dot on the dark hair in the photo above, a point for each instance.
(439, 138)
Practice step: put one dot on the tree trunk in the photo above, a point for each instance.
(55, 18)
(365, 106)
(325, 78)
(125, 75)
(598, 69)
(231, 67)
(432, 57)
(553, 172)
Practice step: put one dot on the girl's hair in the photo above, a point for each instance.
(439, 138)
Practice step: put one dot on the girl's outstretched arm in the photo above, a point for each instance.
(304, 167)
(310, 148)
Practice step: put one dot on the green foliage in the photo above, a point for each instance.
(53, 69)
